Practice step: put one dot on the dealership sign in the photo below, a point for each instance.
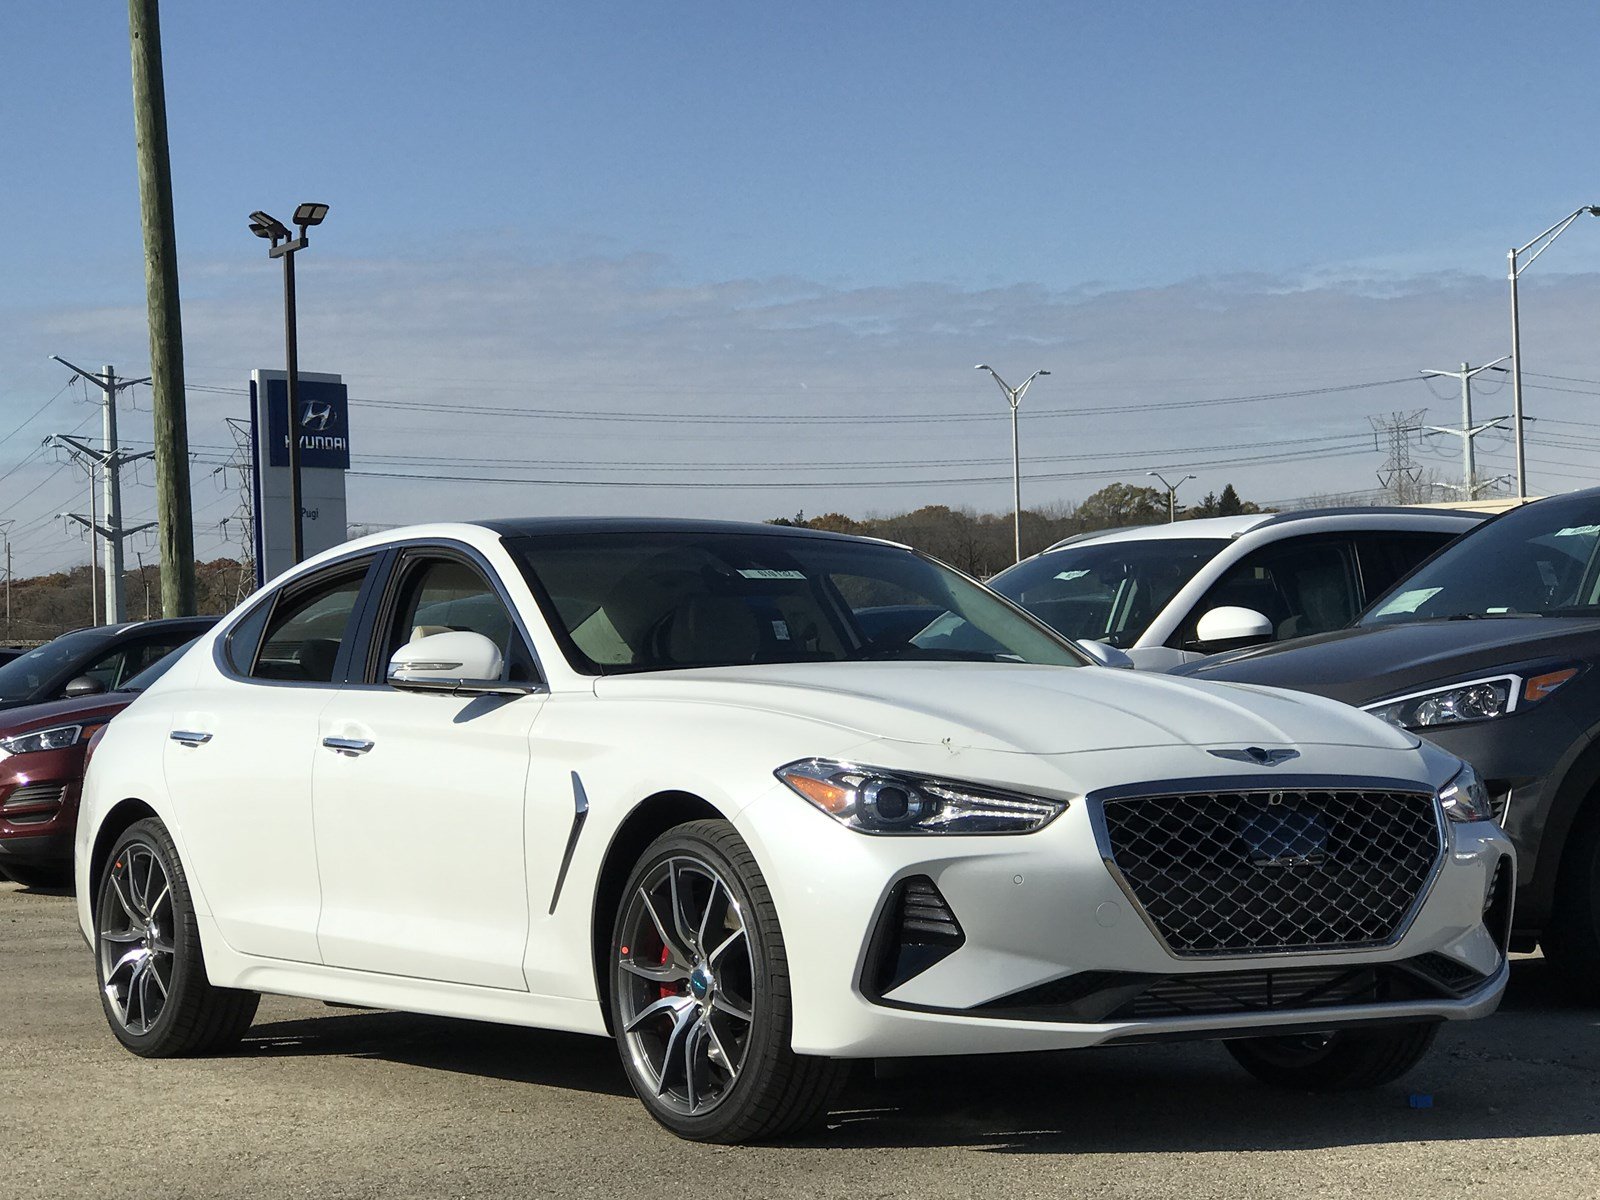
(322, 424)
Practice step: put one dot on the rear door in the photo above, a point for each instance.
(239, 756)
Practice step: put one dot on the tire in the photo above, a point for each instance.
(700, 1002)
(1345, 1061)
(37, 875)
(1571, 941)
(153, 983)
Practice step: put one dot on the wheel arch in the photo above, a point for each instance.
(648, 820)
(123, 814)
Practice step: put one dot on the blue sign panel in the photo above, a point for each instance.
(323, 421)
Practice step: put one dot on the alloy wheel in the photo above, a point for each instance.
(686, 984)
(136, 934)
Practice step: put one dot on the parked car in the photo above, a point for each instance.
(42, 752)
(1168, 594)
(652, 780)
(1489, 650)
(88, 662)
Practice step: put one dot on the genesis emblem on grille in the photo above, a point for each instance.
(1255, 754)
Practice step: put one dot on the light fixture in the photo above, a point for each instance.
(310, 214)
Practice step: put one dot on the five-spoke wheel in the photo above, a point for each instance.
(153, 982)
(700, 994)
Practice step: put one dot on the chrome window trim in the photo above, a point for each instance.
(1094, 804)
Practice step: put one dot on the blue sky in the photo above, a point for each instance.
(835, 207)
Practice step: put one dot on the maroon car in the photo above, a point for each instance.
(42, 752)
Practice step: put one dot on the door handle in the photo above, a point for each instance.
(349, 746)
(189, 737)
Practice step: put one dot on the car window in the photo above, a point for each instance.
(1108, 591)
(440, 595)
(1301, 585)
(108, 668)
(1387, 556)
(307, 629)
(24, 676)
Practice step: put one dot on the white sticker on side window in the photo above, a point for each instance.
(1408, 602)
(765, 573)
(780, 630)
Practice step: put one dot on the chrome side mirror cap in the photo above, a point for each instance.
(1106, 655)
(458, 662)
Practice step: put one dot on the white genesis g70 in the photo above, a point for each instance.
(758, 801)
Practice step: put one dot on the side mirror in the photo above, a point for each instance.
(458, 662)
(1106, 655)
(83, 685)
(1230, 628)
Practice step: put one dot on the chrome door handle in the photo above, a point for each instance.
(350, 746)
(188, 737)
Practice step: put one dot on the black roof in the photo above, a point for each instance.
(154, 625)
(532, 526)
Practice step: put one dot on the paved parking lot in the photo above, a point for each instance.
(334, 1103)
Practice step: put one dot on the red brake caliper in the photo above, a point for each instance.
(667, 989)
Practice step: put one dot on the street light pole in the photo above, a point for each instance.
(1014, 398)
(285, 245)
(1172, 494)
(1543, 242)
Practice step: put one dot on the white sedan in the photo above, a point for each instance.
(691, 785)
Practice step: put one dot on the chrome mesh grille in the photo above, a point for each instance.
(1236, 872)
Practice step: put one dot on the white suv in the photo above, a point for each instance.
(1166, 594)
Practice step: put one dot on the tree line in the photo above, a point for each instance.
(982, 544)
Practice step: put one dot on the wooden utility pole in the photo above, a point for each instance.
(173, 505)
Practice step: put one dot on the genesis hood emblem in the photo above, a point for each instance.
(1255, 754)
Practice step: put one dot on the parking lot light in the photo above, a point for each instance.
(1014, 398)
(1543, 242)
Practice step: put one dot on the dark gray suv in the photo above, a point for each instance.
(1490, 649)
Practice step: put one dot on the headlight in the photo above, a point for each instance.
(58, 738)
(1465, 798)
(1475, 700)
(870, 800)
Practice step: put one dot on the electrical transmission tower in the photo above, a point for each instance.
(110, 458)
(243, 518)
(1470, 486)
(1400, 477)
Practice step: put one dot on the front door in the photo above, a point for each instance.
(419, 800)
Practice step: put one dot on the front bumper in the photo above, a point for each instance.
(39, 795)
(1042, 910)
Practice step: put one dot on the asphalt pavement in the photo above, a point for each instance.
(338, 1103)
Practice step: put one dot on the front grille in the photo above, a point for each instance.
(1235, 872)
(33, 804)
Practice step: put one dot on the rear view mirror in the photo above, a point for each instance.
(83, 685)
(1230, 628)
(457, 661)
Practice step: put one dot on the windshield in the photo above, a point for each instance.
(656, 601)
(1539, 560)
(23, 678)
(1108, 591)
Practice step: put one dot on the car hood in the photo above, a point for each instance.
(1017, 708)
(1361, 665)
(28, 717)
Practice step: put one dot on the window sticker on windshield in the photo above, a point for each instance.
(766, 573)
(1408, 602)
(1548, 574)
(1578, 531)
(1069, 575)
(780, 630)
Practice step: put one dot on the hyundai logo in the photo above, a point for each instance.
(1255, 754)
(316, 415)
